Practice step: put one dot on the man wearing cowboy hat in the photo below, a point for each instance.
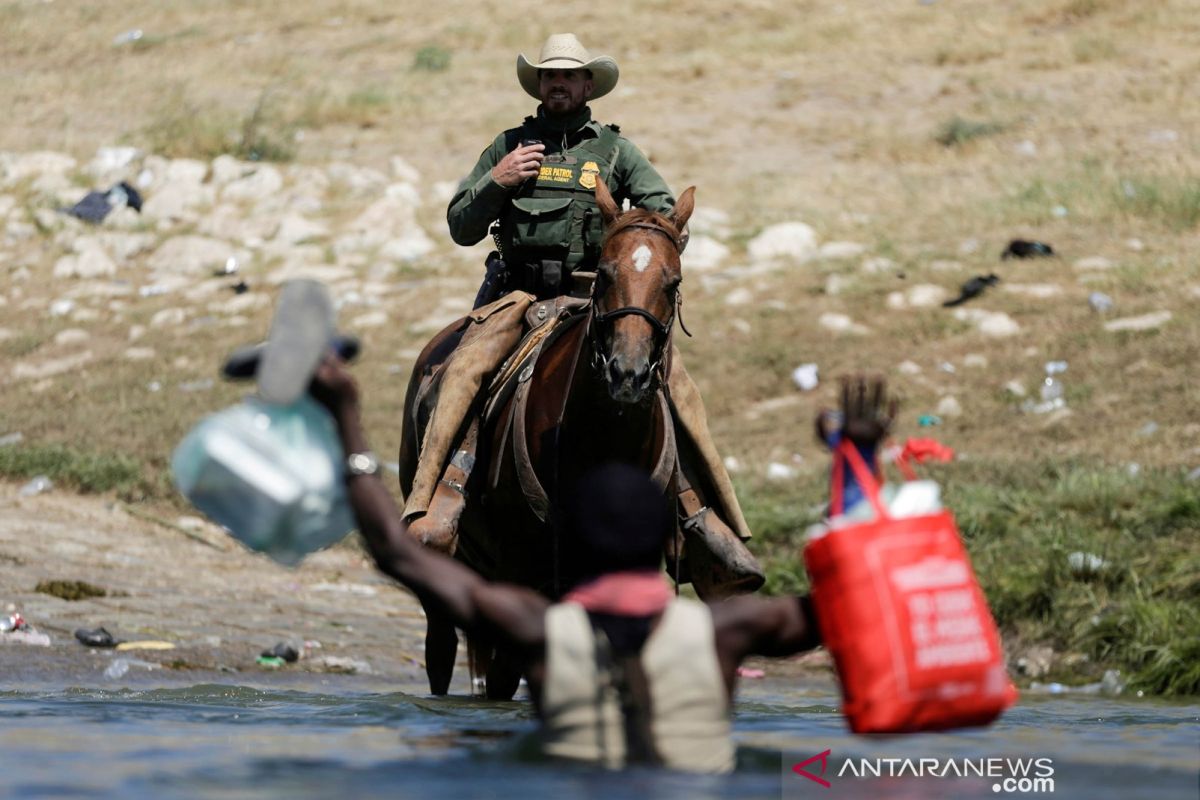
(537, 180)
(537, 183)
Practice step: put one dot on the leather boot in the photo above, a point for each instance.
(717, 561)
(438, 527)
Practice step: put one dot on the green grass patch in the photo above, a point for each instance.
(1139, 612)
(431, 58)
(84, 472)
(184, 129)
(956, 131)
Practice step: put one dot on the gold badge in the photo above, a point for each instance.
(587, 178)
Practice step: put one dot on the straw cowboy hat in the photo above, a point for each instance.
(563, 51)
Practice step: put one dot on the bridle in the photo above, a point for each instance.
(662, 330)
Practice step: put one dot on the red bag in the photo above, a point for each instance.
(903, 616)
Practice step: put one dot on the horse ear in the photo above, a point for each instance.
(604, 201)
(684, 207)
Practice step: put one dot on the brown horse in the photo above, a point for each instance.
(595, 394)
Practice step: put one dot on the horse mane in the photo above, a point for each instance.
(643, 217)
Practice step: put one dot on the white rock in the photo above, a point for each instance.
(840, 250)
(949, 407)
(1136, 245)
(235, 224)
(140, 353)
(56, 366)
(975, 360)
(1144, 322)
(192, 255)
(708, 221)
(372, 319)
(31, 165)
(741, 326)
(168, 317)
(357, 179)
(925, 295)
(60, 308)
(110, 161)
(791, 240)
(703, 253)
(187, 171)
(404, 171)
(732, 464)
(177, 202)
(411, 246)
(1015, 388)
(777, 471)
(835, 284)
(261, 184)
(241, 303)
(989, 323)
(1025, 147)
(739, 296)
(840, 323)
(91, 263)
(294, 229)
(444, 191)
(71, 336)
(968, 246)
(1040, 291)
(325, 273)
(226, 169)
(908, 368)
(878, 264)
(1093, 263)
(136, 332)
(896, 301)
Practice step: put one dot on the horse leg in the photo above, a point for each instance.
(441, 648)
(503, 676)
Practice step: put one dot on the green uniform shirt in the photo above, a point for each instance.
(554, 215)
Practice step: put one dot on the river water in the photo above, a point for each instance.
(300, 735)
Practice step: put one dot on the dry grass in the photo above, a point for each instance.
(828, 113)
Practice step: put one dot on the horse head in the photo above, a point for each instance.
(636, 294)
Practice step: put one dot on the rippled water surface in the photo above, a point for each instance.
(327, 738)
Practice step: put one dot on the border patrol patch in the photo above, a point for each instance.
(588, 175)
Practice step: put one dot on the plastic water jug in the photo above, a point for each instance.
(271, 474)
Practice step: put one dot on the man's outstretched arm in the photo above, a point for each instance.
(512, 613)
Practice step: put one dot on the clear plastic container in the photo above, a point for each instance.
(272, 475)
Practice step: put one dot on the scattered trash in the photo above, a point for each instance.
(343, 664)
(947, 367)
(97, 638)
(241, 287)
(11, 438)
(60, 308)
(95, 206)
(270, 662)
(1060, 211)
(1051, 392)
(154, 386)
(928, 420)
(12, 622)
(1100, 302)
(1022, 248)
(1015, 388)
(202, 385)
(15, 630)
(36, 486)
(120, 666)
(229, 268)
(149, 644)
(747, 672)
(973, 288)
(128, 37)
(1085, 564)
(1149, 429)
(70, 590)
(153, 290)
(805, 377)
(282, 650)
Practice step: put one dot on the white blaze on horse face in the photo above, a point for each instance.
(641, 258)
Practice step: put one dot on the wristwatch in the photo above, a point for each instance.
(364, 463)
